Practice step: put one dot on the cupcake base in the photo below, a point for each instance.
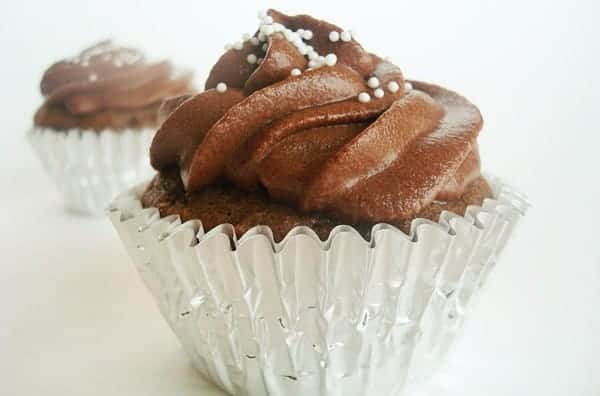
(344, 316)
(223, 204)
(90, 168)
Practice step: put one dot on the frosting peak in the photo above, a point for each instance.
(302, 110)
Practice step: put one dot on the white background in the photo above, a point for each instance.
(75, 319)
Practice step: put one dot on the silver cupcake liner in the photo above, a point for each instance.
(90, 168)
(306, 317)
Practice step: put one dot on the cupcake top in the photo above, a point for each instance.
(302, 111)
(107, 86)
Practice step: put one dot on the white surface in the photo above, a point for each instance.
(75, 319)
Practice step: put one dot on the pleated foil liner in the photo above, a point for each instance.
(306, 317)
(90, 168)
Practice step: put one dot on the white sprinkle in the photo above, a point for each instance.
(303, 49)
(288, 34)
(251, 58)
(314, 63)
(254, 41)
(373, 82)
(238, 45)
(393, 86)
(364, 97)
(334, 36)
(93, 77)
(246, 36)
(228, 46)
(295, 72)
(408, 86)
(267, 30)
(346, 36)
(262, 14)
(261, 36)
(268, 19)
(307, 35)
(313, 55)
(300, 32)
(330, 59)
(379, 93)
(118, 63)
(297, 40)
(278, 27)
(221, 87)
(265, 47)
(259, 61)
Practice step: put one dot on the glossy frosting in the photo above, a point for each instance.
(310, 142)
(107, 76)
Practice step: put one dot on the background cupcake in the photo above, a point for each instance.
(318, 225)
(99, 114)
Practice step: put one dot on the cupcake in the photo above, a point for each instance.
(318, 224)
(98, 118)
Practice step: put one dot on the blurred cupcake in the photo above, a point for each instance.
(98, 118)
(318, 225)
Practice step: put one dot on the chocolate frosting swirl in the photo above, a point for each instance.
(309, 141)
(107, 76)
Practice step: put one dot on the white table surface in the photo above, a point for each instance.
(76, 320)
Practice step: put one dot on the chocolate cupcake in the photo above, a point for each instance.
(98, 118)
(318, 224)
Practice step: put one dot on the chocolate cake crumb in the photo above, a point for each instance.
(222, 204)
(58, 118)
